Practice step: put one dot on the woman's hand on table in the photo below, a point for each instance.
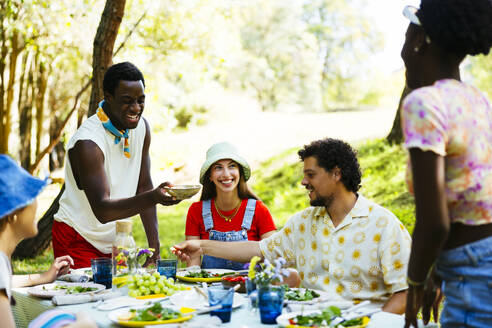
(60, 266)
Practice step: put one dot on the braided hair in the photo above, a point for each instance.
(463, 27)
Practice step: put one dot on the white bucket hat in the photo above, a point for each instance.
(223, 150)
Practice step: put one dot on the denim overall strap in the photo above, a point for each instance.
(207, 214)
(248, 214)
(211, 262)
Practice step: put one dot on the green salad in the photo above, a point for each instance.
(300, 294)
(323, 319)
(206, 274)
(153, 313)
(74, 289)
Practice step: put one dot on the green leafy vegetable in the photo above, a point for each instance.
(300, 294)
(206, 274)
(154, 313)
(74, 289)
(324, 319)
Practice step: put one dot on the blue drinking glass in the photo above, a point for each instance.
(167, 267)
(102, 271)
(223, 296)
(270, 303)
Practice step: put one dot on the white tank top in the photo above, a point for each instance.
(122, 174)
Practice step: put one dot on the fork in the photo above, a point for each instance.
(349, 313)
(201, 292)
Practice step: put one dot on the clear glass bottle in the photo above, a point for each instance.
(124, 254)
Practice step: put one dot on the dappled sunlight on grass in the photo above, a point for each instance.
(277, 181)
(383, 178)
(40, 263)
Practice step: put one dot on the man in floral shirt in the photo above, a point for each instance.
(344, 243)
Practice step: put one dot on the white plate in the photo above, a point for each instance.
(124, 301)
(48, 290)
(323, 296)
(83, 271)
(181, 275)
(191, 299)
(283, 319)
(115, 316)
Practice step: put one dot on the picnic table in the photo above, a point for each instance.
(29, 307)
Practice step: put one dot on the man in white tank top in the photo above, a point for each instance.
(107, 174)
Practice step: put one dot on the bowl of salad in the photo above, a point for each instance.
(229, 281)
(155, 314)
(319, 318)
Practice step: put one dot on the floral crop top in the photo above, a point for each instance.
(454, 120)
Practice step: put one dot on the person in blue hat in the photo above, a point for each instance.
(18, 192)
(228, 210)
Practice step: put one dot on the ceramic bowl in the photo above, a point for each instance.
(183, 191)
(228, 281)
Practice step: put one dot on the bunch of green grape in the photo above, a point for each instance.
(150, 284)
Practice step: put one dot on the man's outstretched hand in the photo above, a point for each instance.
(188, 250)
(162, 197)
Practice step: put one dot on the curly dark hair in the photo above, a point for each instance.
(331, 153)
(125, 71)
(462, 27)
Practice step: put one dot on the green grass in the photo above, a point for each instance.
(278, 183)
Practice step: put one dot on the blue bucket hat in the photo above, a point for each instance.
(17, 187)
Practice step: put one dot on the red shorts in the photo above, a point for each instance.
(67, 241)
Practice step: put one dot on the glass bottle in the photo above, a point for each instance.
(124, 254)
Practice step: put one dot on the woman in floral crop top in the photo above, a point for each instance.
(447, 126)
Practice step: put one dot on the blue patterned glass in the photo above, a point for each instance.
(270, 302)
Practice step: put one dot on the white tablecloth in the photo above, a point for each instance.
(29, 307)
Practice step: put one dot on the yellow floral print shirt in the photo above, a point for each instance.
(364, 257)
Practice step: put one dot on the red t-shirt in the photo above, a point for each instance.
(262, 221)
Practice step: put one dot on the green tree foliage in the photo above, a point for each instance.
(346, 38)
(480, 69)
(278, 55)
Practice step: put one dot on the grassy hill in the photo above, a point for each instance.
(278, 183)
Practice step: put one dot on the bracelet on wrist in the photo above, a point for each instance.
(413, 283)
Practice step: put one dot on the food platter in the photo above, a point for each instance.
(65, 288)
(322, 296)
(83, 272)
(216, 275)
(284, 320)
(123, 317)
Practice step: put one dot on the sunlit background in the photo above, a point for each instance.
(267, 75)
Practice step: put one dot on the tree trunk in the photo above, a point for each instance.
(14, 53)
(4, 145)
(57, 155)
(102, 56)
(41, 83)
(396, 134)
(102, 59)
(32, 247)
(25, 111)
